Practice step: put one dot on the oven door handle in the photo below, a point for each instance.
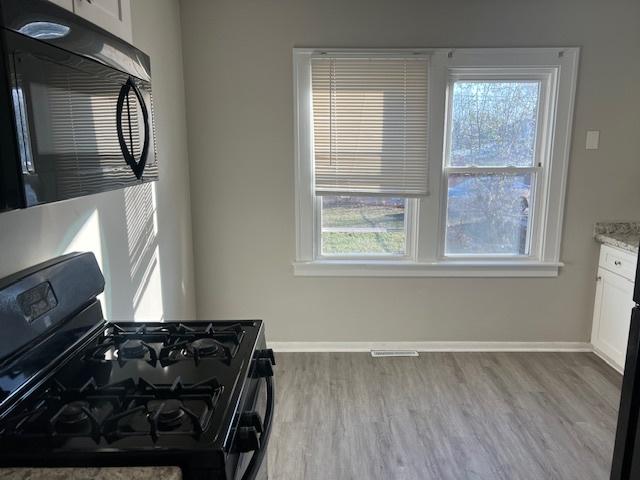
(258, 456)
(136, 167)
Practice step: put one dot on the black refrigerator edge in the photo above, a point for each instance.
(626, 453)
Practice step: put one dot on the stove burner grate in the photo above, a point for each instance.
(109, 411)
(177, 342)
(164, 408)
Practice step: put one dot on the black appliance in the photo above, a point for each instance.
(76, 390)
(75, 107)
(626, 454)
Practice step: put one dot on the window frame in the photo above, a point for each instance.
(426, 217)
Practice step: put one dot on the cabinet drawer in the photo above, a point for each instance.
(618, 261)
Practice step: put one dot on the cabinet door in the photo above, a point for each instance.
(611, 316)
(68, 4)
(112, 15)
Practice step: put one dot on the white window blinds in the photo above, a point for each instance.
(370, 125)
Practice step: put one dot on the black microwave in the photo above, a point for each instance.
(76, 114)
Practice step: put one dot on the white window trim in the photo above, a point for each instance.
(425, 241)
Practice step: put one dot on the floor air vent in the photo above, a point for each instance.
(394, 353)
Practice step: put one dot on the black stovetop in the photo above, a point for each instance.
(139, 386)
(76, 390)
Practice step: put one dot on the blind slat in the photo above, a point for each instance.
(370, 125)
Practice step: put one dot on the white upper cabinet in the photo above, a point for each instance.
(112, 15)
(68, 4)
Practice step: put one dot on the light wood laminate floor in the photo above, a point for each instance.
(462, 416)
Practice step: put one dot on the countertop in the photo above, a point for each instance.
(624, 235)
(128, 473)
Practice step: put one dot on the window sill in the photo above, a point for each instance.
(450, 268)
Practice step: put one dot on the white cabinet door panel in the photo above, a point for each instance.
(112, 15)
(611, 316)
(68, 4)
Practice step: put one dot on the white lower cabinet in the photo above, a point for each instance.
(612, 307)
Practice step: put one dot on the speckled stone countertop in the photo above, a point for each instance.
(625, 235)
(128, 473)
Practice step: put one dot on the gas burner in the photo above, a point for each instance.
(74, 413)
(168, 414)
(204, 347)
(74, 418)
(131, 349)
(122, 349)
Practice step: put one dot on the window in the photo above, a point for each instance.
(363, 226)
(432, 162)
(491, 164)
(369, 126)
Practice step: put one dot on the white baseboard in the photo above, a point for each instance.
(432, 346)
(608, 360)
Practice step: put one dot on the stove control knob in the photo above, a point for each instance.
(263, 368)
(247, 439)
(251, 419)
(266, 353)
(264, 363)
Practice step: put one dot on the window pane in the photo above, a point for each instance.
(488, 214)
(363, 225)
(494, 123)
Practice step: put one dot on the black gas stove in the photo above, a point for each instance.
(76, 390)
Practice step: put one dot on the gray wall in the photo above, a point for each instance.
(239, 110)
(146, 254)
